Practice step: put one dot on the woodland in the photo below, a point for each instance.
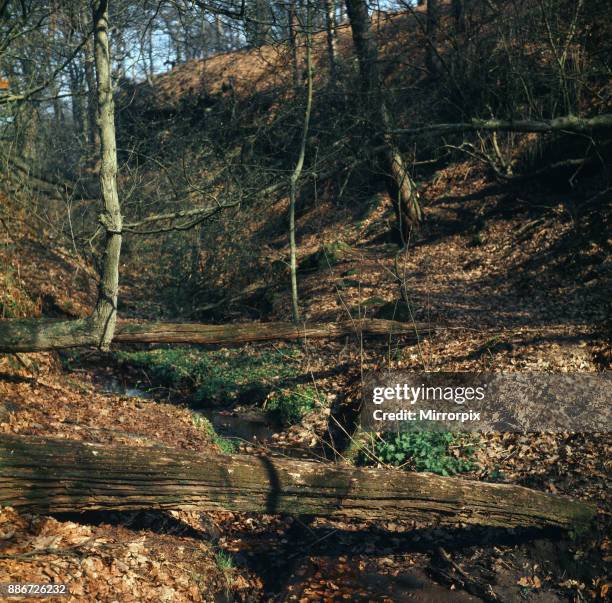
(217, 217)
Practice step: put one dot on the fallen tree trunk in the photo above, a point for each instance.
(55, 475)
(248, 332)
(37, 335)
(570, 123)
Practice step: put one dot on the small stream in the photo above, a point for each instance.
(251, 425)
(112, 385)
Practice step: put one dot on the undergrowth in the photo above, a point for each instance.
(290, 405)
(443, 453)
(213, 376)
(230, 376)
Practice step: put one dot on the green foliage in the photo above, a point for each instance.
(290, 405)
(226, 445)
(224, 560)
(496, 475)
(477, 240)
(221, 375)
(227, 375)
(422, 451)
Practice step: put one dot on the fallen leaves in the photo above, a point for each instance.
(530, 582)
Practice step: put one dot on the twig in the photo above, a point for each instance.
(71, 550)
(471, 585)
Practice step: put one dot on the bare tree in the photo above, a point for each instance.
(297, 172)
(98, 328)
(399, 183)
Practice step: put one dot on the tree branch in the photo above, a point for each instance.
(198, 215)
(569, 123)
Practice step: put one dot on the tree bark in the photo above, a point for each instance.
(297, 172)
(292, 31)
(76, 90)
(401, 188)
(92, 110)
(105, 312)
(55, 475)
(331, 36)
(38, 335)
(458, 10)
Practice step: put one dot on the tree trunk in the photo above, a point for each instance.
(433, 21)
(292, 31)
(97, 329)
(105, 312)
(219, 34)
(297, 172)
(76, 91)
(92, 109)
(39, 335)
(55, 475)
(458, 10)
(330, 28)
(401, 188)
(568, 123)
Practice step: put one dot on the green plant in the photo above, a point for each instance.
(224, 561)
(497, 475)
(226, 445)
(228, 375)
(372, 302)
(477, 240)
(222, 375)
(290, 405)
(422, 451)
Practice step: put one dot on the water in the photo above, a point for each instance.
(112, 385)
(249, 425)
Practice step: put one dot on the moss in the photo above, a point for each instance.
(333, 253)
(358, 445)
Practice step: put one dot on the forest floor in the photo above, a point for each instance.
(504, 287)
